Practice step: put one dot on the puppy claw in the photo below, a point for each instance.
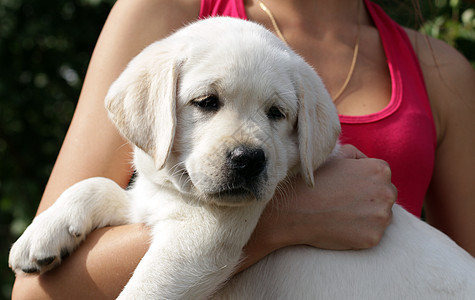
(74, 232)
(64, 253)
(46, 261)
(30, 270)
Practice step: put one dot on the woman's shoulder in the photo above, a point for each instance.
(434, 53)
(164, 14)
(134, 24)
(448, 75)
(162, 6)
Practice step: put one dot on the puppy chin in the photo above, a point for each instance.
(226, 189)
(232, 199)
(222, 196)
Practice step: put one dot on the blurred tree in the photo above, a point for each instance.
(455, 24)
(45, 47)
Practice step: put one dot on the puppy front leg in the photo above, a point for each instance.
(193, 254)
(89, 204)
(174, 273)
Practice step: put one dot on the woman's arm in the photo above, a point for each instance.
(98, 269)
(450, 204)
(450, 81)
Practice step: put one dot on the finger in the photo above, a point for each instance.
(395, 193)
(350, 151)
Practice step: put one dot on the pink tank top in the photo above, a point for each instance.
(403, 133)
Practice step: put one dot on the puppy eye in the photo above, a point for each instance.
(274, 113)
(207, 103)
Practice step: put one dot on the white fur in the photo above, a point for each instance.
(184, 181)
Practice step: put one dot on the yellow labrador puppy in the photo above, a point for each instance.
(221, 113)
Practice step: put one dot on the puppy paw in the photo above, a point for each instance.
(52, 236)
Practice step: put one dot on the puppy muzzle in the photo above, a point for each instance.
(241, 178)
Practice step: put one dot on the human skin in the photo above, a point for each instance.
(103, 264)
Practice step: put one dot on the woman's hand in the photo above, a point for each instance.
(349, 208)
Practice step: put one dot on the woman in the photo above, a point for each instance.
(351, 204)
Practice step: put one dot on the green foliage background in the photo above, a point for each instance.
(45, 47)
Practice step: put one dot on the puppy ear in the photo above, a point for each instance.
(142, 102)
(318, 122)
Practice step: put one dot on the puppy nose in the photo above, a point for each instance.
(247, 162)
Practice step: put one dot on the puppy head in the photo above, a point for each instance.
(225, 110)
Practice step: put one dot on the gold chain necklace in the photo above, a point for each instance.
(355, 51)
